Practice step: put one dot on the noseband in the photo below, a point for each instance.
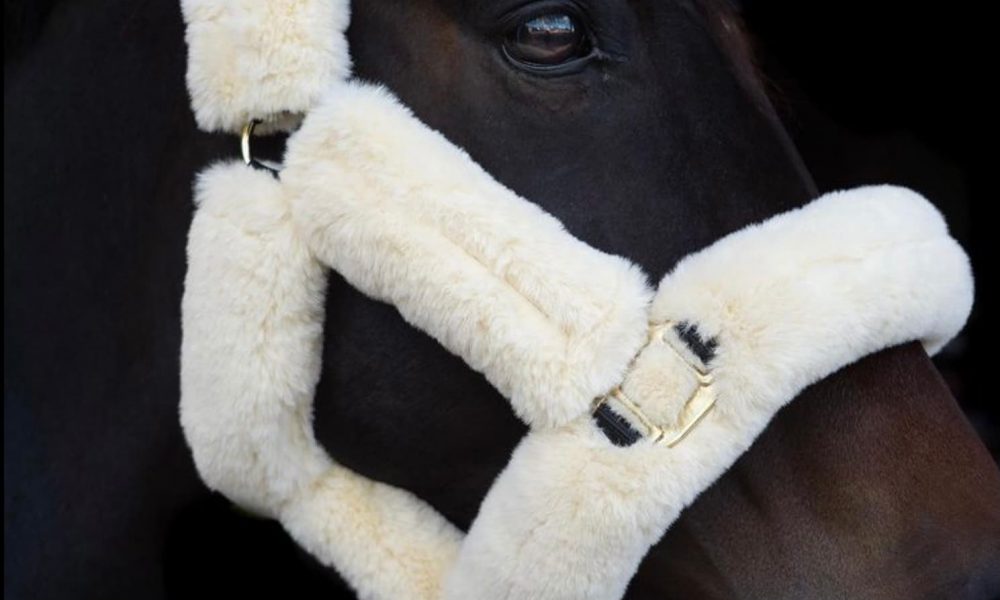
(637, 398)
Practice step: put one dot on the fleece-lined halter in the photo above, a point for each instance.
(637, 399)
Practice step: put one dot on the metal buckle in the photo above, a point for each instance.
(695, 409)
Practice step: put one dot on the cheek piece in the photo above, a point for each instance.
(637, 399)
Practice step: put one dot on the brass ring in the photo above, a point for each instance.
(245, 140)
(248, 158)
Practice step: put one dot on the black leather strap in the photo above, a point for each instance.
(618, 430)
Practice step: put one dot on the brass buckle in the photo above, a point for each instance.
(695, 409)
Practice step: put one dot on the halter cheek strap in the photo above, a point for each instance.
(408, 218)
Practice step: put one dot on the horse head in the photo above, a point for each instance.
(645, 129)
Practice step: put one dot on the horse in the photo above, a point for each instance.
(647, 131)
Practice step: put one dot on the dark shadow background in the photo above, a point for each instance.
(871, 92)
(896, 92)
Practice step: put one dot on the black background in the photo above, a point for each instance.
(894, 92)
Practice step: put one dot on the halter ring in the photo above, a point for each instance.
(248, 158)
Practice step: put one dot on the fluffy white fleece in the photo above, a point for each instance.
(262, 59)
(789, 301)
(409, 218)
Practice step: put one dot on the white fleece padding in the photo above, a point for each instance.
(789, 301)
(252, 318)
(409, 218)
(262, 59)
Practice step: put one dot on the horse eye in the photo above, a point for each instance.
(547, 40)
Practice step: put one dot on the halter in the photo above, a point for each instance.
(637, 400)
